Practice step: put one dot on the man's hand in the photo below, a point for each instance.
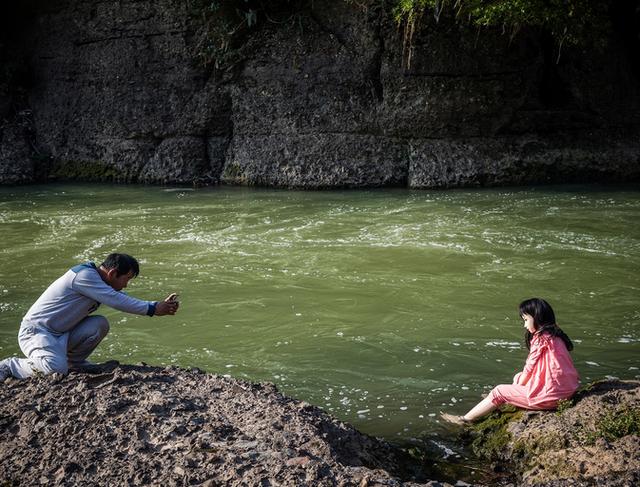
(169, 306)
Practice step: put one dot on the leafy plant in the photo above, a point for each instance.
(616, 424)
(570, 22)
(221, 25)
(563, 405)
(224, 25)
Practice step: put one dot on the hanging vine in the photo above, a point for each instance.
(224, 24)
(570, 22)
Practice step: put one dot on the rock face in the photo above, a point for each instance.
(321, 98)
(142, 425)
(593, 440)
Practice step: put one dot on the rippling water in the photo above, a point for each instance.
(382, 307)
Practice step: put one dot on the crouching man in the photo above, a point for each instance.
(59, 332)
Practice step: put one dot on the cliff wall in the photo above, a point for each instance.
(321, 97)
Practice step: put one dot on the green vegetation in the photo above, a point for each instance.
(491, 435)
(85, 171)
(570, 22)
(563, 405)
(615, 424)
(528, 450)
(223, 24)
(233, 173)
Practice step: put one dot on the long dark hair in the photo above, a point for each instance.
(544, 319)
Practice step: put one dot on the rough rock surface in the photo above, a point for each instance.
(593, 441)
(140, 425)
(322, 97)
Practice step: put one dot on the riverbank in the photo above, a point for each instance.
(140, 425)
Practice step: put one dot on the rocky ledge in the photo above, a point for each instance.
(140, 425)
(594, 439)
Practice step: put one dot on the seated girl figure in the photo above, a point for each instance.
(548, 376)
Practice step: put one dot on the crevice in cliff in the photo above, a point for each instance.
(209, 177)
(227, 152)
(494, 75)
(215, 153)
(133, 36)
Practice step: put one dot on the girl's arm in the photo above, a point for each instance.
(523, 377)
(536, 351)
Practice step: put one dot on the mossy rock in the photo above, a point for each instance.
(86, 171)
(593, 437)
(491, 435)
(524, 451)
(615, 424)
(233, 174)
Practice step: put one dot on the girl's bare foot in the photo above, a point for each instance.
(450, 418)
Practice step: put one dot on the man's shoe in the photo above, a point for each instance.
(86, 367)
(5, 370)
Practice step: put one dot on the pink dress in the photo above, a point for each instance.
(552, 376)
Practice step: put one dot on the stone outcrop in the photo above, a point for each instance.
(592, 440)
(322, 97)
(140, 425)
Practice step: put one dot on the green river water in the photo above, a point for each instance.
(382, 307)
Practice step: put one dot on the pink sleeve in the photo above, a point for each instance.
(538, 347)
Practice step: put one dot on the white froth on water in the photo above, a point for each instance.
(503, 344)
(627, 339)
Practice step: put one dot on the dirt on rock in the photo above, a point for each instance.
(141, 425)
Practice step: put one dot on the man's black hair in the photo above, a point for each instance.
(122, 263)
